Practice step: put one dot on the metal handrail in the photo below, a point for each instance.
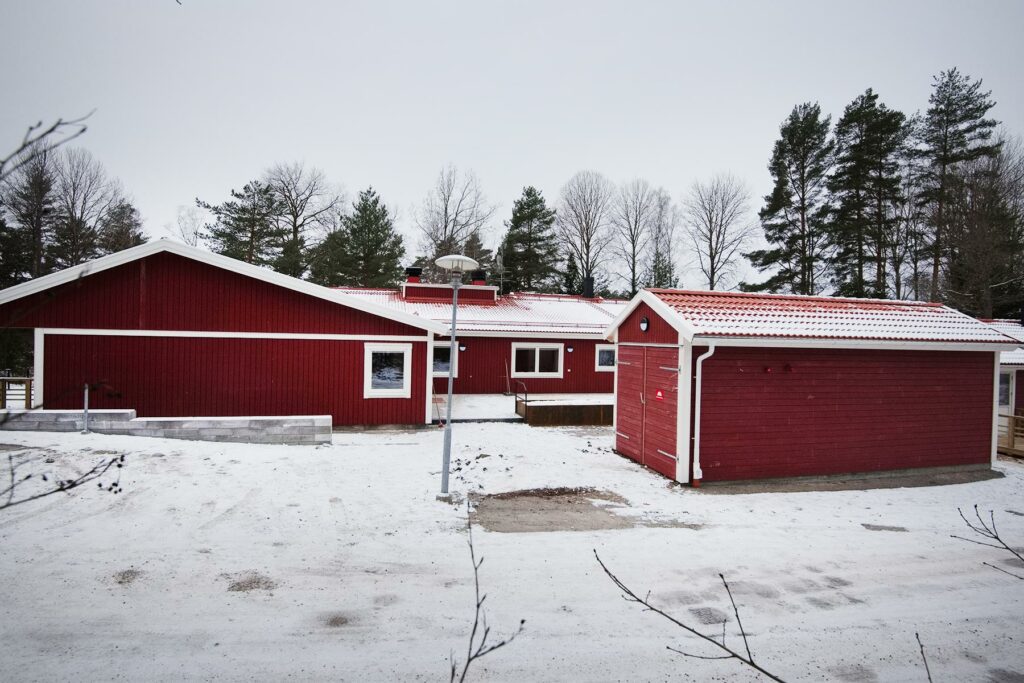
(526, 398)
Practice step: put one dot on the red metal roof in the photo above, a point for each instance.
(819, 317)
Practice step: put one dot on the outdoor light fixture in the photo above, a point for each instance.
(456, 265)
(569, 349)
(462, 347)
(644, 324)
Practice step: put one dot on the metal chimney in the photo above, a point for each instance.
(588, 287)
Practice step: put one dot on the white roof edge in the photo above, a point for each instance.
(660, 307)
(218, 261)
(835, 342)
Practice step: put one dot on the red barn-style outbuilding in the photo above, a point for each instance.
(172, 331)
(724, 387)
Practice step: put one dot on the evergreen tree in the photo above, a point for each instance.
(28, 198)
(75, 240)
(246, 227)
(13, 254)
(529, 251)
(366, 251)
(122, 228)
(954, 131)
(572, 281)
(794, 216)
(475, 249)
(864, 187)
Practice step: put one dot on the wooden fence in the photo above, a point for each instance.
(1011, 434)
(15, 392)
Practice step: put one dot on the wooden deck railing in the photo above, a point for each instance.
(1011, 434)
(17, 391)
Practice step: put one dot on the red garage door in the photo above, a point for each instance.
(646, 406)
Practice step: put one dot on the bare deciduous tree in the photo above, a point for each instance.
(454, 209)
(717, 219)
(189, 225)
(307, 199)
(632, 215)
(85, 194)
(661, 263)
(584, 214)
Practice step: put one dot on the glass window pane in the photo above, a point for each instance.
(606, 358)
(388, 370)
(525, 360)
(442, 358)
(548, 360)
(1004, 390)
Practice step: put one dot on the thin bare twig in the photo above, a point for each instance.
(988, 531)
(923, 658)
(478, 648)
(629, 596)
(38, 140)
(59, 485)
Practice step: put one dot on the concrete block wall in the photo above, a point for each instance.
(294, 429)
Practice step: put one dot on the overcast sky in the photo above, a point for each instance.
(194, 100)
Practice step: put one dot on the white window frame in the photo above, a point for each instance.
(598, 348)
(455, 360)
(516, 346)
(368, 390)
(1012, 375)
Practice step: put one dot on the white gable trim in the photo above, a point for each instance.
(247, 269)
(658, 306)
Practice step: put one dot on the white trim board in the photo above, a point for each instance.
(536, 347)
(223, 335)
(233, 265)
(368, 390)
(598, 348)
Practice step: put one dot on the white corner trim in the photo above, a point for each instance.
(429, 414)
(536, 348)
(368, 390)
(455, 361)
(39, 363)
(995, 410)
(598, 348)
(685, 380)
(256, 272)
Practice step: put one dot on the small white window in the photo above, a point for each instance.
(387, 370)
(604, 358)
(443, 359)
(537, 360)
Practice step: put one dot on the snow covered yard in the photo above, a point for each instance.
(238, 562)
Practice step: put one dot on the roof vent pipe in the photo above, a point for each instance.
(478, 277)
(588, 287)
(412, 274)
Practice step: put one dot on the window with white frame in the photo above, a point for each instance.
(387, 370)
(443, 361)
(537, 360)
(604, 358)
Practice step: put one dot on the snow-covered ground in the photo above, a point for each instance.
(345, 567)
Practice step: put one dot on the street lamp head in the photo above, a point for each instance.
(456, 263)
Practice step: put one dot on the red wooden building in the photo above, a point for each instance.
(170, 330)
(173, 331)
(1011, 375)
(725, 387)
(543, 343)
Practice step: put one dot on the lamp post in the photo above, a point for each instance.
(456, 265)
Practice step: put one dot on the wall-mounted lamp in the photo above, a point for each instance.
(569, 349)
(462, 347)
(644, 324)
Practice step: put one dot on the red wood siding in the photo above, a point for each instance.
(181, 376)
(444, 295)
(646, 423)
(1018, 403)
(170, 292)
(482, 368)
(659, 331)
(834, 411)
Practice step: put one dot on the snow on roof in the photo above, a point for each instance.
(817, 317)
(1011, 328)
(553, 314)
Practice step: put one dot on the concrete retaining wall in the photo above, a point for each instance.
(295, 429)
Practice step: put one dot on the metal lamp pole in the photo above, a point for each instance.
(457, 265)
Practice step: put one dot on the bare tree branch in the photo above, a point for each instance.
(988, 531)
(633, 213)
(923, 657)
(717, 214)
(629, 596)
(454, 209)
(55, 486)
(39, 140)
(584, 215)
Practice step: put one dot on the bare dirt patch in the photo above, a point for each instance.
(336, 620)
(126, 577)
(554, 509)
(247, 582)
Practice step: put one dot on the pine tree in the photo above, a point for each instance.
(529, 251)
(366, 251)
(864, 187)
(122, 229)
(475, 249)
(572, 281)
(955, 131)
(13, 254)
(246, 228)
(29, 200)
(794, 214)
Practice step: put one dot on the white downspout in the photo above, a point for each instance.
(995, 410)
(698, 474)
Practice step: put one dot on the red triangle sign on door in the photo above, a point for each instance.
(659, 396)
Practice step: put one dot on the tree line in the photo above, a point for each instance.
(882, 204)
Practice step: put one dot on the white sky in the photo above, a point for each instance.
(194, 100)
